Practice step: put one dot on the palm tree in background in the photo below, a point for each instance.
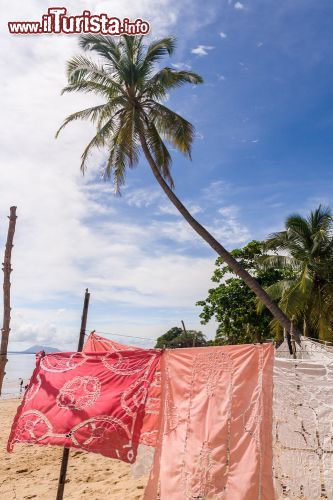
(133, 118)
(308, 245)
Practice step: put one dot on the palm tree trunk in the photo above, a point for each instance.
(219, 249)
(7, 269)
(306, 329)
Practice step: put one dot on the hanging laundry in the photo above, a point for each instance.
(90, 401)
(307, 349)
(96, 343)
(215, 437)
(302, 428)
(149, 430)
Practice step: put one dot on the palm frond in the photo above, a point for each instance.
(173, 127)
(278, 261)
(298, 228)
(98, 141)
(81, 68)
(170, 78)
(85, 114)
(104, 46)
(89, 86)
(133, 108)
(158, 49)
(275, 291)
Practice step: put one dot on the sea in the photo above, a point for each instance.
(18, 366)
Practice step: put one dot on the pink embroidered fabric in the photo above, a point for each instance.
(96, 343)
(91, 401)
(149, 430)
(215, 439)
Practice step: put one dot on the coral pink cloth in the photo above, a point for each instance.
(96, 343)
(215, 439)
(149, 430)
(89, 401)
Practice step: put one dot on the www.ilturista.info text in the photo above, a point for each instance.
(56, 21)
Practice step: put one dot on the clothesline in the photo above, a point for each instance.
(122, 335)
(220, 375)
(322, 345)
(320, 341)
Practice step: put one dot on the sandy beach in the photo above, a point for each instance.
(32, 471)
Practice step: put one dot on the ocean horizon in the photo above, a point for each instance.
(19, 365)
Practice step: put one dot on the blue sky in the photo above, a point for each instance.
(263, 149)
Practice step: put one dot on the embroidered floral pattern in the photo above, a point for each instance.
(76, 400)
(79, 393)
(215, 437)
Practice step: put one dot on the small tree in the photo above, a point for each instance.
(234, 305)
(177, 337)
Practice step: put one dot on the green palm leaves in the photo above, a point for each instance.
(133, 110)
(306, 247)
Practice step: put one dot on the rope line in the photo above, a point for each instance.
(122, 335)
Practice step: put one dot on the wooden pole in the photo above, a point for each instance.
(65, 454)
(83, 320)
(183, 324)
(292, 340)
(7, 269)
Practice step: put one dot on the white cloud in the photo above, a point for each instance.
(181, 66)
(70, 229)
(202, 50)
(227, 229)
(215, 191)
(142, 197)
(169, 209)
(221, 77)
(223, 35)
(239, 6)
(230, 211)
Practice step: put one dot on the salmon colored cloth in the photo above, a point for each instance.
(96, 343)
(149, 430)
(215, 438)
(89, 401)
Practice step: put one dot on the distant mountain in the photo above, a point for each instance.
(38, 348)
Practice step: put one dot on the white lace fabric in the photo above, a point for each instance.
(307, 349)
(303, 427)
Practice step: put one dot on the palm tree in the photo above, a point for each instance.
(308, 297)
(133, 118)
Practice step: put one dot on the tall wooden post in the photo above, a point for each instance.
(7, 269)
(65, 454)
(194, 337)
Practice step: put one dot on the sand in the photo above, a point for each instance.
(32, 471)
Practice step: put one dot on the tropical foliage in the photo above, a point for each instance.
(133, 117)
(233, 305)
(177, 337)
(305, 249)
(133, 111)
